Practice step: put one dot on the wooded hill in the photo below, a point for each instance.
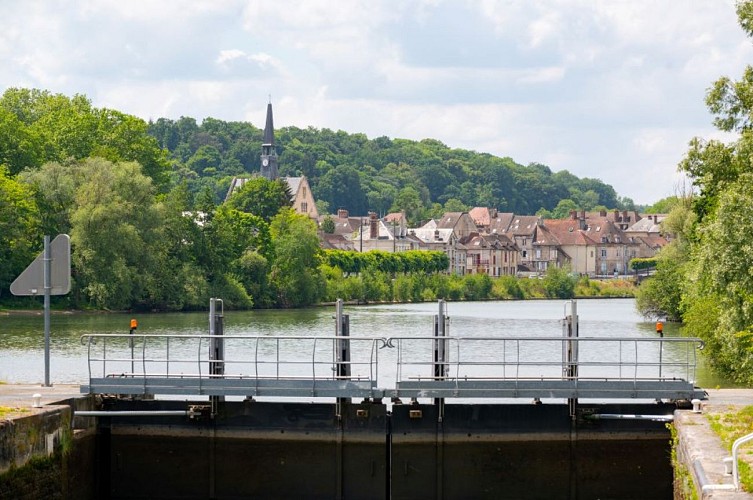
(424, 178)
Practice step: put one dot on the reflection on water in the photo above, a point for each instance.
(21, 340)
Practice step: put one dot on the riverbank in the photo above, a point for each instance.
(503, 288)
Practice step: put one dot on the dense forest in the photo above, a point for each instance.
(704, 275)
(351, 171)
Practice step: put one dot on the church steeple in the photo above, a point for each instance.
(268, 152)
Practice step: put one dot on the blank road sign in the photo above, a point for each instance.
(31, 281)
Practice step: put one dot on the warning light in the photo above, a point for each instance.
(134, 324)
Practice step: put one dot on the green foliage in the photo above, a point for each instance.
(559, 283)
(507, 287)
(703, 277)
(638, 264)
(261, 197)
(328, 224)
(381, 174)
(52, 127)
(294, 273)
(19, 228)
(664, 205)
(661, 294)
(477, 287)
(116, 229)
(412, 261)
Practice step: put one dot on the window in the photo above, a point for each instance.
(524, 253)
(538, 253)
(304, 191)
(304, 207)
(603, 252)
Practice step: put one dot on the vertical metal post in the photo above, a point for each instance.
(47, 291)
(660, 331)
(342, 346)
(342, 371)
(571, 352)
(440, 350)
(216, 347)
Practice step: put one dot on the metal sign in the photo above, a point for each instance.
(31, 281)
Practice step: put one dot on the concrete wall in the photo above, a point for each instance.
(41, 456)
(292, 450)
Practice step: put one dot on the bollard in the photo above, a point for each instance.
(696, 405)
(37, 401)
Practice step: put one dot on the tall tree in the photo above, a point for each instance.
(295, 272)
(115, 232)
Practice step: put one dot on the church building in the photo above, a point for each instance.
(301, 197)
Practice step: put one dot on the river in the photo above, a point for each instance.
(22, 343)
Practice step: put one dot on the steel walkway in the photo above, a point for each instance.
(438, 366)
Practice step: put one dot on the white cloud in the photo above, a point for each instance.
(612, 90)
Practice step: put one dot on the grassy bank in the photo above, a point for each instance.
(730, 426)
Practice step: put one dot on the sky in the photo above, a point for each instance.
(612, 90)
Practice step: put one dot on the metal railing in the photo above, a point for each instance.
(472, 367)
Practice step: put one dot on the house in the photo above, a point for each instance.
(335, 242)
(522, 229)
(595, 244)
(300, 196)
(492, 254)
(461, 223)
(376, 234)
(547, 250)
(431, 237)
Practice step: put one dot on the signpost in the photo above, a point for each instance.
(48, 274)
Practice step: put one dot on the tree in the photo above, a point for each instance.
(720, 269)
(409, 201)
(559, 283)
(294, 273)
(19, 227)
(341, 187)
(711, 260)
(59, 128)
(261, 197)
(328, 225)
(115, 232)
(563, 209)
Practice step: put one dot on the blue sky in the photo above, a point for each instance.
(612, 90)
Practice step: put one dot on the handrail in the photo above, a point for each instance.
(735, 446)
(468, 367)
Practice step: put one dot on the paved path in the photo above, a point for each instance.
(21, 395)
(701, 449)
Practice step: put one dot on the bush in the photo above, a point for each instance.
(559, 283)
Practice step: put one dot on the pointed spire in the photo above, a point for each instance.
(269, 129)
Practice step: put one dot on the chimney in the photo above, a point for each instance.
(342, 213)
(602, 213)
(616, 215)
(583, 214)
(625, 216)
(574, 214)
(493, 213)
(373, 226)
